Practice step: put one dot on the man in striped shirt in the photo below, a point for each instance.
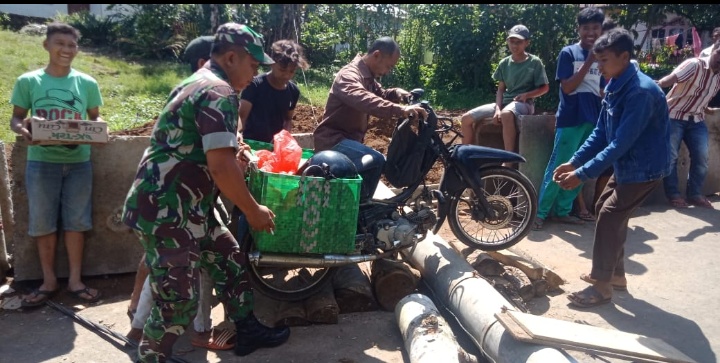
(694, 82)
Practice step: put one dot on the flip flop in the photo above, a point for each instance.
(701, 202)
(225, 340)
(590, 280)
(586, 216)
(86, 290)
(679, 202)
(589, 297)
(538, 225)
(44, 296)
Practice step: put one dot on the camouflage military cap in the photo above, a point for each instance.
(244, 36)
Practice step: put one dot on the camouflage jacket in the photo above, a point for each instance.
(173, 192)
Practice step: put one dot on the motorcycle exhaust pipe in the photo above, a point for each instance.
(281, 260)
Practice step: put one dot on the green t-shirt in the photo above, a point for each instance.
(520, 77)
(55, 98)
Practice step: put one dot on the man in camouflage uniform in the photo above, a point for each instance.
(192, 157)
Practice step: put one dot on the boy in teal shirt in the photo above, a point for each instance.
(521, 78)
(58, 179)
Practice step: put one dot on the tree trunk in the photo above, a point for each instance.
(487, 266)
(321, 307)
(285, 22)
(520, 282)
(392, 281)
(353, 291)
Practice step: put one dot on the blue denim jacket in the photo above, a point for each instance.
(631, 134)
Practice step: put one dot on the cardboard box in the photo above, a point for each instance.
(58, 132)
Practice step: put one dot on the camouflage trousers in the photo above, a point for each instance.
(175, 264)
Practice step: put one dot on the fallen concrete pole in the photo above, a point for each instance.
(6, 212)
(474, 302)
(428, 337)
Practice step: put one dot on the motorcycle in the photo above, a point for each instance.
(488, 206)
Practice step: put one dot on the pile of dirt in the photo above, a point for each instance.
(305, 120)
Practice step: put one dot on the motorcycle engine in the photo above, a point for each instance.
(406, 230)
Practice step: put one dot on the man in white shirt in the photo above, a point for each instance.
(715, 37)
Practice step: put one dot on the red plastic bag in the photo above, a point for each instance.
(287, 152)
(266, 160)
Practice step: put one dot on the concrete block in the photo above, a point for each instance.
(109, 248)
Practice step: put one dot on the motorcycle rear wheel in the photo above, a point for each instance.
(514, 199)
(291, 283)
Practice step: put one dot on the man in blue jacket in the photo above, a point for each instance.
(629, 136)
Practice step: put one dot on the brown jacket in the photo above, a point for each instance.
(354, 94)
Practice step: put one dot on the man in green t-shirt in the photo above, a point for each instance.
(58, 179)
(521, 78)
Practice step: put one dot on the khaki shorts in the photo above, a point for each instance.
(488, 110)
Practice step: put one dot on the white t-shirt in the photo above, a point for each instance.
(706, 52)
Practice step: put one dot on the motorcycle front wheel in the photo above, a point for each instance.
(285, 283)
(511, 196)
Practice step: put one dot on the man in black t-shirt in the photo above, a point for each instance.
(268, 103)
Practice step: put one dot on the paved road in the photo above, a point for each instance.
(673, 295)
(673, 269)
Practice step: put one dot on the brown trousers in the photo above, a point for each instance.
(613, 210)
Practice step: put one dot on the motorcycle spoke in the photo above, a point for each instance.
(510, 213)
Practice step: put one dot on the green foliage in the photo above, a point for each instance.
(656, 71)
(158, 31)
(95, 31)
(4, 21)
(702, 16)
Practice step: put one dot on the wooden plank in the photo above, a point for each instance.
(520, 334)
(606, 340)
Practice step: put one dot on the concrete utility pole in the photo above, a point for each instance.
(474, 303)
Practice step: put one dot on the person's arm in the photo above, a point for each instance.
(18, 123)
(350, 90)
(229, 177)
(667, 81)
(288, 120)
(523, 97)
(245, 108)
(498, 102)
(681, 73)
(93, 114)
(571, 84)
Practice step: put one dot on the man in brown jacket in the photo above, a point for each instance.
(355, 94)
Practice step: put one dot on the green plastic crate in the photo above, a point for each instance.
(312, 215)
(261, 145)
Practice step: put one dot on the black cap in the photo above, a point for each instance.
(519, 31)
(198, 48)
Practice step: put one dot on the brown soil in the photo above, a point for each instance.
(307, 117)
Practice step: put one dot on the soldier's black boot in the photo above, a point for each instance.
(251, 335)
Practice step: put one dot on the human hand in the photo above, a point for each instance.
(496, 119)
(711, 110)
(521, 97)
(569, 180)
(562, 169)
(24, 128)
(261, 219)
(414, 110)
(404, 95)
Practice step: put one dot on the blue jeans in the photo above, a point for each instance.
(61, 191)
(372, 168)
(695, 136)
